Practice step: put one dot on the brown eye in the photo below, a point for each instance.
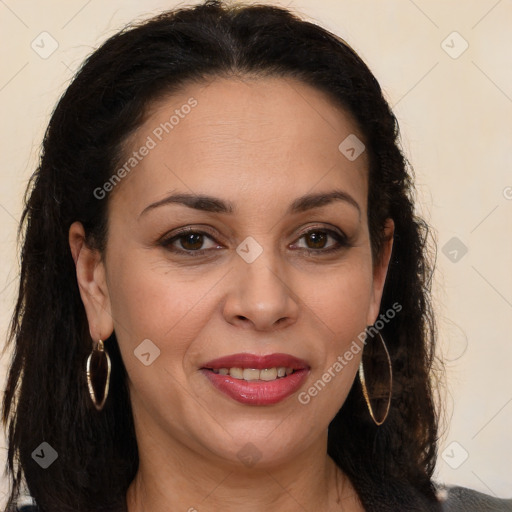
(317, 242)
(191, 241)
(318, 239)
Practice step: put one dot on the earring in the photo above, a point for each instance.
(98, 379)
(365, 390)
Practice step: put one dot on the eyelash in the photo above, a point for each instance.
(341, 240)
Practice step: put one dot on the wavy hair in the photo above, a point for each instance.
(46, 397)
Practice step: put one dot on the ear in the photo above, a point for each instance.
(380, 269)
(91, 277)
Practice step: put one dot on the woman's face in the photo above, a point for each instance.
(268, 267)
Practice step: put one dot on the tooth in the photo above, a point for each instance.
(236, 373)
(268, 374)
(251, 374)
(215, 371)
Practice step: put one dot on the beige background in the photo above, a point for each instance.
(455, 112)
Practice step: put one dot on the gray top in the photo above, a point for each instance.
(461, 499)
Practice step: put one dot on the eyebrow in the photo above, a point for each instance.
(215, 205)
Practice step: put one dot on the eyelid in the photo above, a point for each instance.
(169, 238)
(323, 227)
(342, 240)
(203, 230)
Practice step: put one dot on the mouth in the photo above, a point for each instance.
(256, 380)
(250, 374)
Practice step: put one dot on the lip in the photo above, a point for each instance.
(257, 392)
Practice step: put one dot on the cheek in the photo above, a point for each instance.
(341, 299)
(154, 303)
(340, 305)
(150, 302)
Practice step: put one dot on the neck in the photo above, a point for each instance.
(181, 479)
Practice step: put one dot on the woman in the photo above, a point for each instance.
(224, 296)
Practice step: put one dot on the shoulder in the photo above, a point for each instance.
(462, 499)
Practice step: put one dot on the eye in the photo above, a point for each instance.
(189, 242)
(316, 241)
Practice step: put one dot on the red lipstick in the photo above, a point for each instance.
(258, 391)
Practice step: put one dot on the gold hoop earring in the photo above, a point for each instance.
(377, 422)
(98, 379)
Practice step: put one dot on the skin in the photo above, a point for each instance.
(259, 143)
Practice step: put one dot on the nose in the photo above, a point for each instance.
(260, 295)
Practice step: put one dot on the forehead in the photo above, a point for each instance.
(263, 137)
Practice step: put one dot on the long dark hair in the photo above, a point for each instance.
(46, 397)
